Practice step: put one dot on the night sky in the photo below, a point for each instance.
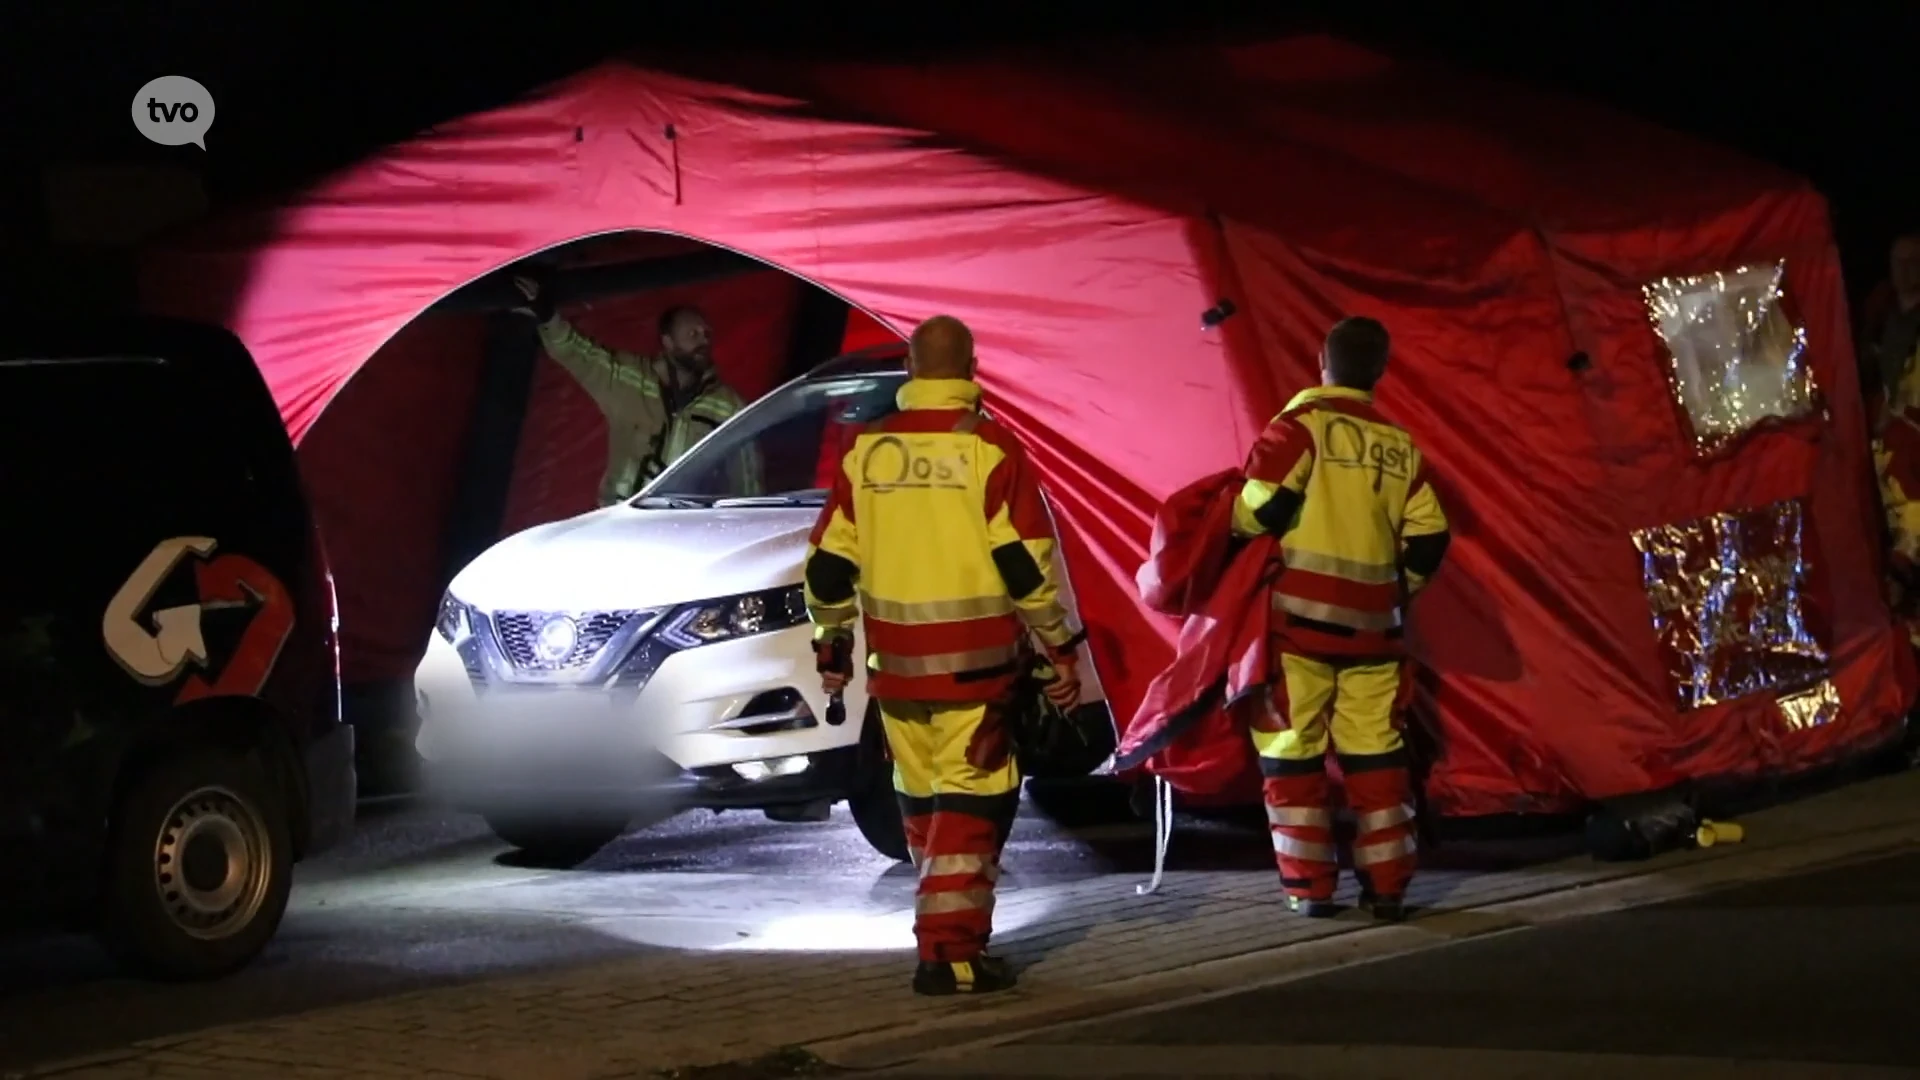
(1831, 96)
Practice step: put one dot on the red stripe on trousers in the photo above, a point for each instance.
(1308, 879)
(917, 826)
(1383, 789)
(881, 684)
(953, 936)
(1291, 637)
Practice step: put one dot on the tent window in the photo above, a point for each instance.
(1737, 358)
(1737, 601)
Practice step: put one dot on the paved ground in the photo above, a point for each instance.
(423, 898)
(422, 953)
(1810, 976)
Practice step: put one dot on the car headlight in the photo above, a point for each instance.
(454, 621)
(736, 617)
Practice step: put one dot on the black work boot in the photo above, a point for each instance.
(1385, 908)
(981, 975)
(1312, 909)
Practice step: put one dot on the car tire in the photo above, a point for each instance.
(873, 802)
(198, 868)
(556, 841)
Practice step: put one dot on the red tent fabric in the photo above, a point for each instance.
(1081, 212)
(381, 467)
(864, 332)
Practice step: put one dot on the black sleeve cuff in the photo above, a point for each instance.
(1424, 553)
(1017, 569)
(1067, 647)
(831, 577)
(1276, 516)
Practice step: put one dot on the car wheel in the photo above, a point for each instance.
(556, 841)
(199, 867)
(875, 806)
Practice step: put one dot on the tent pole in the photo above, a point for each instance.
(508, 358)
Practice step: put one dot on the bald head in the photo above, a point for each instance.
(941, 348)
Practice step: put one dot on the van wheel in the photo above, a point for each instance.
(556, 841)
(199, 867)
(875, 806)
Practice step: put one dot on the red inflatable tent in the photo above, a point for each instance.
(1626, 353)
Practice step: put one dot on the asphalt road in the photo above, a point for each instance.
(1812, 976)
(422, 897)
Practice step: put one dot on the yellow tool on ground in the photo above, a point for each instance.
(1718, 832)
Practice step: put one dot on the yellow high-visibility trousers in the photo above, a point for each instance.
(959, 789)
(1351, 707)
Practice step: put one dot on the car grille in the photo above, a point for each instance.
(518, 630)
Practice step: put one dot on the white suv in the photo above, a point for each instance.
(655, 656)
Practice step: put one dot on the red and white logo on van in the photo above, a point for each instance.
(156, 647)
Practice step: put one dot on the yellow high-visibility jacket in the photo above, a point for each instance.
(646, 431)
(936, 532)
(1896, 454)
(1896, 457)
(1359, 525)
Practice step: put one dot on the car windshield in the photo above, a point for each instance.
(782, 451)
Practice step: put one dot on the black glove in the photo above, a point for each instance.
(833, 657)
(540, 303)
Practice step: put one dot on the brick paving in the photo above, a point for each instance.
(664, 1008)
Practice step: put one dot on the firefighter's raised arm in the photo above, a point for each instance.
(600, 370)
(1021, 539)
(1277, 471)
(1424, 535)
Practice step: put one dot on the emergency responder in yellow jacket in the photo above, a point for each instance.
(1893, 345)
(936, 534)
(657, 407)
(1360, 531)
(1896, 455)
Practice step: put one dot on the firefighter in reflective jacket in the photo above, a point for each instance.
(936, 535)
(657, 407)
(1361, 531)
(1897, 455)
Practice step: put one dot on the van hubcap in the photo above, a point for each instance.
(211, 864)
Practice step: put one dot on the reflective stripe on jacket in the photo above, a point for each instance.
(1359, 524)
(936, 532)
(645, 432)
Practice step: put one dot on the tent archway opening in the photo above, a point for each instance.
(457, 432)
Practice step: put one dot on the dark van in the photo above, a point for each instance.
(170, 732)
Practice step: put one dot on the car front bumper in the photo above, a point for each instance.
(676, 735)
(647, 783)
